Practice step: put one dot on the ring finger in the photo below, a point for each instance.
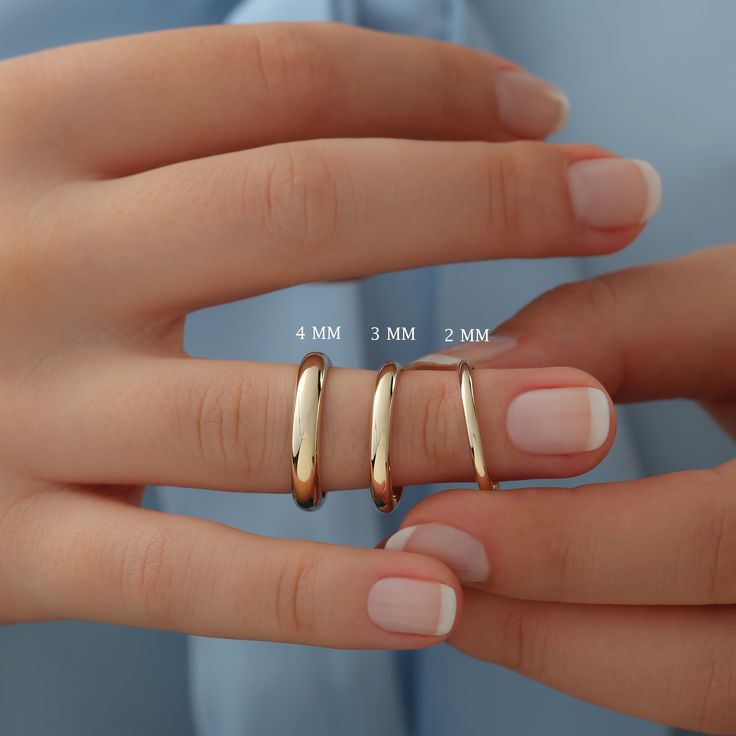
(133, 419)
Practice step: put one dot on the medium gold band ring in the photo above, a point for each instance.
(310, 385)
(384, 495)
(464, 372)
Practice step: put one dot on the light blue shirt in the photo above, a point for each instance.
(651, 79)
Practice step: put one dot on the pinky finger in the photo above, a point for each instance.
(672, 664)
(94, 557)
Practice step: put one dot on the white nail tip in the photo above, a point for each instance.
(399, 540)
(438, 358)
(564, 101)
(600, 419)
(654, 187)
(448, 609)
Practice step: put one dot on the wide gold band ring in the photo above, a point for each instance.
(467, 396)
(384, 495)
(310, 385)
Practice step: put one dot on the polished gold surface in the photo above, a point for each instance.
(467, 396)
(471, 425)
(310, 385)
(385, 496)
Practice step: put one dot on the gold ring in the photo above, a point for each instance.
(310, 384)
(384, 495)
(471, 425)
(467, 396)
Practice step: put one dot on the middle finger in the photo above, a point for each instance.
(226, 227)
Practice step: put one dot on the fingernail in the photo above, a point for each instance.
(614, 192)
(558, 421)
(412, 606)
(473, 351)
(528, 106)
(460, 551)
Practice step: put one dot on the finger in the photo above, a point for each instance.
(139, 102)
(668, 664)
(83, 555)
(228, 227)
(664, 540)
(228, 424)
(650, 332)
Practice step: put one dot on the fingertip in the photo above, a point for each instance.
(465, 555)
(530, 107)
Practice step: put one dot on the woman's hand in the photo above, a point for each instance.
(149, 176)
(622, 594)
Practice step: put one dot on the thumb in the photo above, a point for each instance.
(649, 332)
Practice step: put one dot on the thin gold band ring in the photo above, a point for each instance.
(464, 372)
(384, 495)
(310, 385)
(473, 429)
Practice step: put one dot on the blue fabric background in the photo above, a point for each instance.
(649, 79)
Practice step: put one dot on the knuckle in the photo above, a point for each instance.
(457, 66)
(451, 60)
(295, 595)
(145, 570)
(216, 412)
(592, 305)
(297, 194)
(525, 633)
(715, 538)
(711, 680)
(25, 535)
(504, 190)
(571, 566)
(294, 66)
(594, 297)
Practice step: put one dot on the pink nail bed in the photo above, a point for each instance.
(614, 192)
(559, 421)
(408, 605)
(460, 551)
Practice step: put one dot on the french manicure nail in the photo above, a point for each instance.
(558, 421)
(412, 606)
(460, 551)
(528, 106)
(614, 192)
(495, 346)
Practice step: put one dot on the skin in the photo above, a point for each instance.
(117, 219)
(623, 594)
(149, 176)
